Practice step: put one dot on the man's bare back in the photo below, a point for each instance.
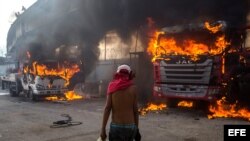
(123, 103)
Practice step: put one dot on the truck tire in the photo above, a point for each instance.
(2, 85)
(202, 105)
(239, 87)
(13, 89)
(12, 92)
(31, 95)
(171, 102)
(239, 90)
(233, 91)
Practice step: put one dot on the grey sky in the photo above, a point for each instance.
(7, 16)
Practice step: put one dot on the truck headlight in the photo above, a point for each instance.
(157, 88)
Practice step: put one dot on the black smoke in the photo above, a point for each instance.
(85, 22)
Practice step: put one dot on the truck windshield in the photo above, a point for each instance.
(64, 70)
(191, 44)
(188, 41)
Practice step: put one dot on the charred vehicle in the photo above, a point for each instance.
(200, 62)
(47, 78)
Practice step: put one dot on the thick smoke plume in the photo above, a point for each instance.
(85, 22)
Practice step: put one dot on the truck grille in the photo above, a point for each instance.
(198, 73)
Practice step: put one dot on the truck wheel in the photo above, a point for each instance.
(12, 93)
(13, 89)
(18, 87)
(233, 91)
(31, 95)
(202, 105)
(2, 85)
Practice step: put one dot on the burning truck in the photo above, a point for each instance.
(200, 62)
(46, 78)
(53, 77)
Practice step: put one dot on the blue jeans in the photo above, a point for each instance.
(122, 132)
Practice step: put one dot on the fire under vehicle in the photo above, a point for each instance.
(200, 62)
(37, 79)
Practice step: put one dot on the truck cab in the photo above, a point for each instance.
(201, 62)
(36, 86)
(39, 80)
(188, 62)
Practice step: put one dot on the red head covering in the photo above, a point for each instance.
(122, 79)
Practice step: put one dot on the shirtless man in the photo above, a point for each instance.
(122, 101)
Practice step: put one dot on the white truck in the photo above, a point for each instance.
(33, 85)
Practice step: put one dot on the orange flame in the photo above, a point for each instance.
(222, 110)
(65, 71)
(158, 47)
(185, 104)
(70, 95)
(213, 29)
(223, 66)
(152, 107)
(153, 48)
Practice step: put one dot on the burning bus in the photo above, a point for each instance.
(200, 62)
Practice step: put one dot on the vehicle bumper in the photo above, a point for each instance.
(50, 92)
(191, 92)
